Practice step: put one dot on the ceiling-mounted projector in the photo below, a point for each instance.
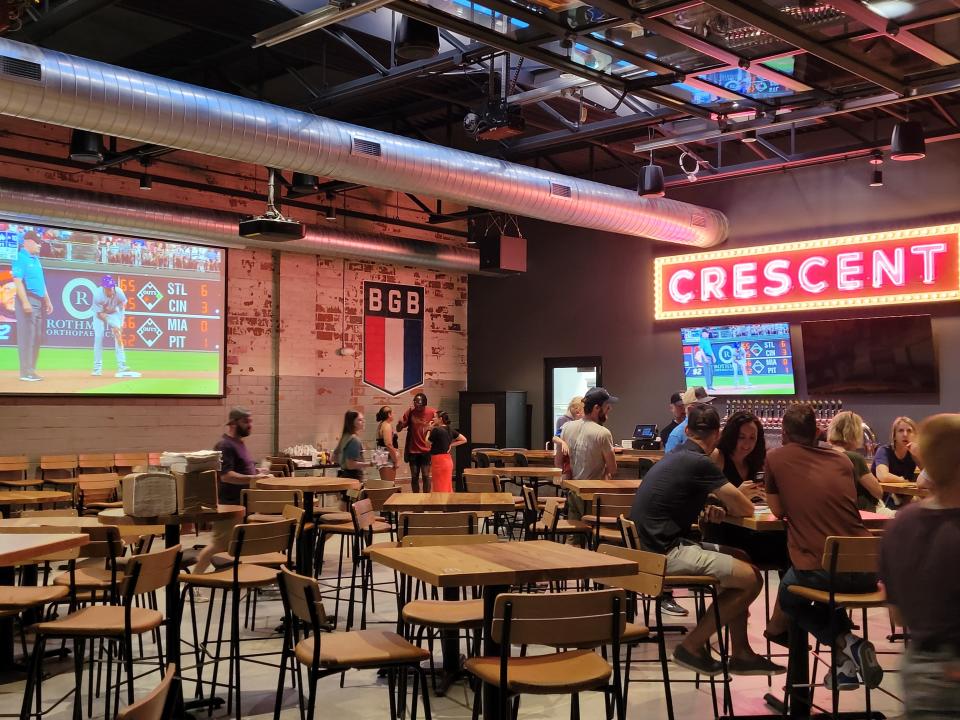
(272, 225)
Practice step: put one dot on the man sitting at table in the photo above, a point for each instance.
(667, 503)
(811, 486)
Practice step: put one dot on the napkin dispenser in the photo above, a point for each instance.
(149, 494)
(196, 490)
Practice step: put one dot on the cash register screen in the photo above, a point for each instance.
(645, 432)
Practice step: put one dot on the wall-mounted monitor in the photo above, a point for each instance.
(754, 359)
(85, 313)
(870, 355)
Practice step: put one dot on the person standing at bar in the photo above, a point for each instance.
(678, 435)
(387, 438)
(416, 450)
(679, 413)
(441, 438)
(590, 445)
(918, 550)
(33, 305)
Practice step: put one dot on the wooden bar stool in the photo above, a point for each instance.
(13, 472)
(268, 505)
(95, 463)
(607, 510)
(126, 463)
(158, 704)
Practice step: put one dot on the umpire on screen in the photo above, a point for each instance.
(32, 306)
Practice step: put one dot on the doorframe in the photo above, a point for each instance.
(551, 364)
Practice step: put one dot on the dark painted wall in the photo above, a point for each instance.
(590, 293)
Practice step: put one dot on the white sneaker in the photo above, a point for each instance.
(97, 373)
(128, 374)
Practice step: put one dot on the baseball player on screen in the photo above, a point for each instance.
(108, 304)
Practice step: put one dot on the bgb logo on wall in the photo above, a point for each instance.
(392, 336)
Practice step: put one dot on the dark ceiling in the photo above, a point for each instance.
(815, 79)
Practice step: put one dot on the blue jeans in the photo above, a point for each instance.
(816, 618)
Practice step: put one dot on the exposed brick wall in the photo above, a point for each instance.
(316, 384)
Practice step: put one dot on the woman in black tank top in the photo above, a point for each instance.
(388, 438)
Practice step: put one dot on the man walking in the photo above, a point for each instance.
(416, 449)
(108, 304)
(32, 306)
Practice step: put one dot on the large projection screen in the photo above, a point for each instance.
(85, 313)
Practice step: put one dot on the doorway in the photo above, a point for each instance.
(564, 379)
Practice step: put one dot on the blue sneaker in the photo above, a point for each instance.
(846, 676)
(864, 655)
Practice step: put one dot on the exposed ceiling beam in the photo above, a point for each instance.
(863, 14)
(769, 25)
(812, 113)
(314, 20)
(56, 19)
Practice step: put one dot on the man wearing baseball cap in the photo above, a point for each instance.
(589, 444)
(33, 304)
(679, 412)
(108, 306)
(673, 494)
(688, 398)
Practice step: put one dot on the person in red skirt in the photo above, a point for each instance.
(441, 438)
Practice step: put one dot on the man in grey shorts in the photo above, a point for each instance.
(667, 503)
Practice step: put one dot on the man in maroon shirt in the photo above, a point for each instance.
(813, 488)
(416, 449)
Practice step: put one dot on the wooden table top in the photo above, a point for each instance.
(909, 489)
(625, 457)
(420, 502)
(766, 521)
(539, 472)
(586, 489)
(116, 516)
(33, 497)
(309, 484)
(126, 531)
(17, 548)
(506, 563)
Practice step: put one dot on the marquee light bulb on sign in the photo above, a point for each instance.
(889, 268)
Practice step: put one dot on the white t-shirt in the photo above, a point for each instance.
(108, 305)
(587, 441)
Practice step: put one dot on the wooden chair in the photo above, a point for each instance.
(126, 463)
(268, 505)
(436, 523)
(153, 461)
(95, 463)
(158, 704)
(323, 654)
(13, 472)
(378, 484)
(434, 616)
(98, 492)
(551, 525)
(116, 623)
(647, 585)
(629, 536)
(57, 467)
(607, 509)
(846, 555)
(248, 539)
(584, 618)
(285, 466)
(94, 576)
(492, 484)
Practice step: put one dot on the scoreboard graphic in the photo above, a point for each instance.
(754, 359)
(163, 334)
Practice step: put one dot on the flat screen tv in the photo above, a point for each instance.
(870, 355)
(85, 313)
(753, 359)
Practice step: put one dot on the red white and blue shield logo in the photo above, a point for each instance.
(392, 336)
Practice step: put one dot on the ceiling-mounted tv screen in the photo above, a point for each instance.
(754, 359)
(85, 313)
(870, 355)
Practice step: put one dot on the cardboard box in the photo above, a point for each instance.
(196, 490)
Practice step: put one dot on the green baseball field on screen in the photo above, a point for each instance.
(781, 384)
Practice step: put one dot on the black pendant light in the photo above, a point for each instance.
(651, 181)
(303, 184)
(876, 179)
(908, 141)
(416, 40)
(86, 146)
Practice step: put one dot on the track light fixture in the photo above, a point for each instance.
(908, 141)
(86, 147)
(877, 178)
(331, 211)
(303, 184)
(876, 158)
(146, 182)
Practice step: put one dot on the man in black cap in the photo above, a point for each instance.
(590, 445)
(673, 494)
(678, 411)
(677, 436)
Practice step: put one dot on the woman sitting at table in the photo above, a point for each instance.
(441, 438)
(349, 451)
(845, 434)
(893, 463)
(740, 453)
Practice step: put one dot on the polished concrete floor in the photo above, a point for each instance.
(365, 696)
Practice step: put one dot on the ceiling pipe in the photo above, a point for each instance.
(82, 210)
(47, 86)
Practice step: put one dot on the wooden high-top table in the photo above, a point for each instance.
(765, 521)
(908, 489)
(171, 537)
(309, 486)
(21, 549)
(31, 497)
(127, 532)
(495, 567)
(449, 502)
(586, 489)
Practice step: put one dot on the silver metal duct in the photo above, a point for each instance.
(117, 214)
(53, 87)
